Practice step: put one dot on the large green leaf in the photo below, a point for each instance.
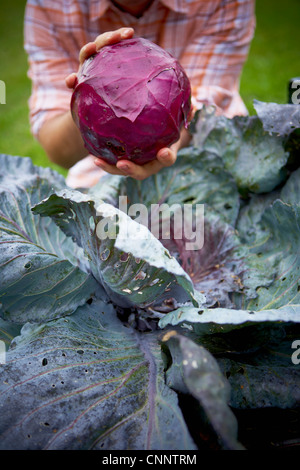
(279, 119)
(225, 319)
(124, 256)
(40, 268)
(195, 371)
(88, 382)
(282, 223)
(249, 224)
(251, 155)
(290, 192)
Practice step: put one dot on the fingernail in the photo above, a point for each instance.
(99, 163)
(164, 154)
(127, 32)
(124, 167)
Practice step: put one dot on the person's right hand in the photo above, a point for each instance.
(104, 39)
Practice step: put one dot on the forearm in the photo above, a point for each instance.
(62, 141)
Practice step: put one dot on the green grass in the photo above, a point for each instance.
(274, 58)
(15, 135)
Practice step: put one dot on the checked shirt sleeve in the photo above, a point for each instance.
(49, 64)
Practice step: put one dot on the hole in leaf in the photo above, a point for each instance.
(189, 200)
(105, 254)
(124, 257)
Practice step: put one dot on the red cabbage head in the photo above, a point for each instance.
(131, 99)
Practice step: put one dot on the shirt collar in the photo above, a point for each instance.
(98, 7)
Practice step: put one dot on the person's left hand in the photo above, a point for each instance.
(165, 157)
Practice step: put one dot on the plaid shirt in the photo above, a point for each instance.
(210, 38)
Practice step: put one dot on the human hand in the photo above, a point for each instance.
(104, 39)
(165, 157)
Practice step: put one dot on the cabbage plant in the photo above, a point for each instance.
(135, 342)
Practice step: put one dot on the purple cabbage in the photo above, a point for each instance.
(131, 99)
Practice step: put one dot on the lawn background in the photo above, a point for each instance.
(273, 60)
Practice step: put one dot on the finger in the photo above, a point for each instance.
(167, 156)
(112, 169)
(139, 172)
(86, 51)
(71, 80)
(112, 37)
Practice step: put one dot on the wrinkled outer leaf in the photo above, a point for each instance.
(255, 159)
(290, 193)
(213, 320)
(88, 382)
(279, 119)
(125, 257)
(195, 371)
(39, 271)
(21, 169)
(248, 224)
(281, 222)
